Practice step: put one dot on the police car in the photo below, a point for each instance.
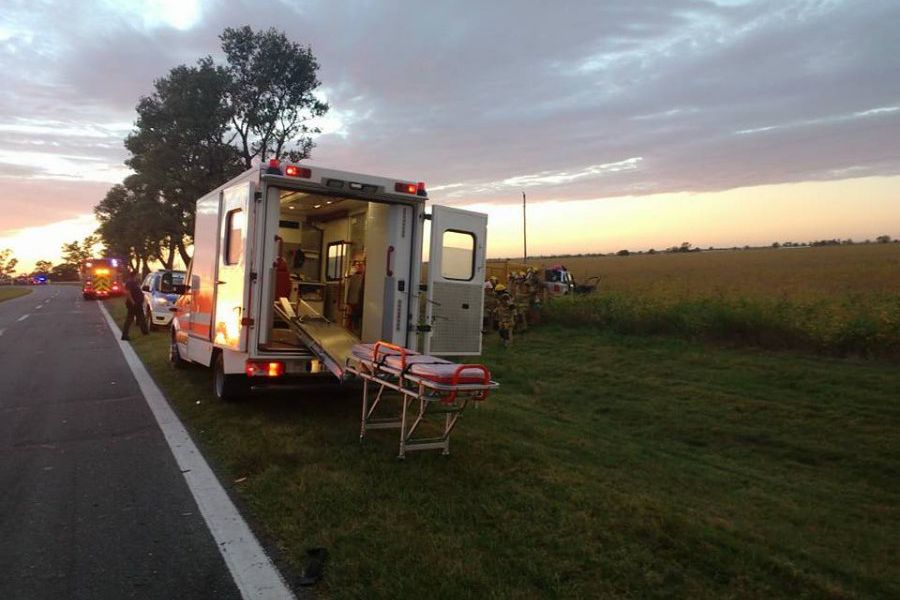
(159, 296)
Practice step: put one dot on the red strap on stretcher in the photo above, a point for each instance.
(455, 381)
(403, 352)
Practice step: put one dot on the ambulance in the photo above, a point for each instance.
(294, 264)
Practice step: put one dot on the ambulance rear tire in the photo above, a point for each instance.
(228, 388)
(175, 356)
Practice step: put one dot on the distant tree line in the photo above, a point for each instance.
(689, 247)
(201, 126)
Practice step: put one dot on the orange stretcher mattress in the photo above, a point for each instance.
(449, 373)
(431, 368)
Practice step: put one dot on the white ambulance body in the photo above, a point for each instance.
(341, 251)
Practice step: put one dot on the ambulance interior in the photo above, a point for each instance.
(323, 248)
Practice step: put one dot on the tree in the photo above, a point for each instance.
(883, 239)
(42, 266)
(64, 272)
(623, 253)
(74, 253)
(133, 223)
(178, 147)
(7, 263)
(776, 245)
(270, 93)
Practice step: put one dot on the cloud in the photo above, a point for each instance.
(482, 100)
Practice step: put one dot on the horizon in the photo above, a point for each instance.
(725, 124)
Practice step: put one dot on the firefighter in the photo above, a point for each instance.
(504, 314)
(134, 302)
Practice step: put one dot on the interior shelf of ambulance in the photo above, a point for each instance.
(319, 270)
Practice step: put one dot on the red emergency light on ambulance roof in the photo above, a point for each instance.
(295, 171)
(405, 188)
(274, 167)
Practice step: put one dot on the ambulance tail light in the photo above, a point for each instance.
(295, 171)
(255, 368)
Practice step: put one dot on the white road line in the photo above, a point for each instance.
(253, 572)
(39, 307)
(23, 317)
(1, 331)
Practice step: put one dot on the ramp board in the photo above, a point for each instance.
(330, 342)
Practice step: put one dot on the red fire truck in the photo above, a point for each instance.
(102, 278)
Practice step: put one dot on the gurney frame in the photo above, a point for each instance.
(429, 397)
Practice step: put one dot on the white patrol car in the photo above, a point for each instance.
(160, 296)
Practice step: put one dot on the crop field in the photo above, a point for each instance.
(833, 299)
(606, 465)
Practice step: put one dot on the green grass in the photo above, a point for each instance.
(8, 293)
(605, 466)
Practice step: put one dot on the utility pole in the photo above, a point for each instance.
(524, 232)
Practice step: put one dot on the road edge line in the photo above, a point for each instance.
(251, 568)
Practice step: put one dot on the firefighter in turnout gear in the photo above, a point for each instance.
(505, 314)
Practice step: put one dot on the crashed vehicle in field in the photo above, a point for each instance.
(559, 281)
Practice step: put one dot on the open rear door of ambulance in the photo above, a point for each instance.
(455, 281)
(232, 294)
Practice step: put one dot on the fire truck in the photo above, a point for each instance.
(294, 264)
(102, 278)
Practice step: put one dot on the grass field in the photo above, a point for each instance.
(605, 466)
(836, 299)
(8, 293)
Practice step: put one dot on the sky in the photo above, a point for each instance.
(627, 124)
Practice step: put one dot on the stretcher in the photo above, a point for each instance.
(431, 386)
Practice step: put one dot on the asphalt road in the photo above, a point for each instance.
(92, 503)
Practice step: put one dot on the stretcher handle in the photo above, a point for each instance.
(403, 352)
(454, 381)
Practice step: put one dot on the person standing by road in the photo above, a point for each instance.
(134, 301)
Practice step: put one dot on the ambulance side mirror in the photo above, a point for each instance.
(145, 288)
